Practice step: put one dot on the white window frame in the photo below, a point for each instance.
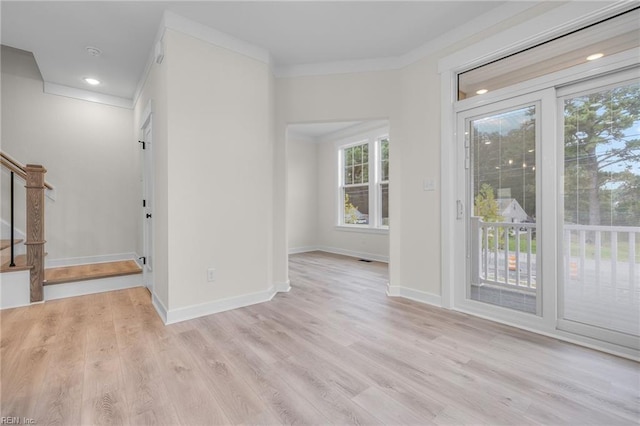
(531, 32)
(373, 139)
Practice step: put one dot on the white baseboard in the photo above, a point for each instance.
(14, 289)
(358, 254)
(344, 252)
(216, 306)
(160, 308)
(307, 249)
(283, 287)
(415, 295)
(72, 261)
(81, 288)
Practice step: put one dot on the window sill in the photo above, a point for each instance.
(362, 229)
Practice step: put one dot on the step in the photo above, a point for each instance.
(68, 274)
(20, 261)
(7, 243)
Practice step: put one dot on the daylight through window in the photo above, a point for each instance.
(364, 183)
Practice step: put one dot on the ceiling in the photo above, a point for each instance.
(314, 131)
(295, 33)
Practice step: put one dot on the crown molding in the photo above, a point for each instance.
(340, 67)
(474, 26)
(175, 22)
(194, 29)
(87, 95)
(359, 129)
(151, 59)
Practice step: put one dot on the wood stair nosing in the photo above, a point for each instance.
(20, 261)
(70, 274)
(20, 264)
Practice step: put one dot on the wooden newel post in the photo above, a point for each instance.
(35, 228)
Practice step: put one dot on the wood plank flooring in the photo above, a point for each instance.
(334, 350)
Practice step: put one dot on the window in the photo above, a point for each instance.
(569, 266)
(364, 182)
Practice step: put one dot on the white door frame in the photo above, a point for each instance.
(546, 263)
(146, 131)
(529, 33)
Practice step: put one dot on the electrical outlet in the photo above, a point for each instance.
(211, 275)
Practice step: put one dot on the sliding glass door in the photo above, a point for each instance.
(549, 209)
(600, 230)
(502, 184)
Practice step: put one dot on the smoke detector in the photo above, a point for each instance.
(93, 51)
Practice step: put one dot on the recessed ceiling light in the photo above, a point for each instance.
(595, 56)
(92, 81)
(481, 91)
(93, 51)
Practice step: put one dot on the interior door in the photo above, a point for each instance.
(147, 207)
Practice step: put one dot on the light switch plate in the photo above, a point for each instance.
(429, 184)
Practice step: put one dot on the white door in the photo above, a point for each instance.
(501, 214)
(147, 205)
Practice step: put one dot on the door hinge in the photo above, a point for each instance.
(144, 203)
(143, 144)
(459, 210)
(144, 260)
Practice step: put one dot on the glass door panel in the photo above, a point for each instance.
(601, 228)
(501, 152)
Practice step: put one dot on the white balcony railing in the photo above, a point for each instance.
(593, 255)
(506, 254)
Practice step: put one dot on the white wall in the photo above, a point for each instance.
(302, 193)
(219, 172)
(90, 157)
(345, 97)
(312, 179)
(335, 239)
(410, 98)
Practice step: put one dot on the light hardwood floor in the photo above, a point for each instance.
(335, 349)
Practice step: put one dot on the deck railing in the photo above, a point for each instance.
(602, 256)
(593, 255)
(506, 254)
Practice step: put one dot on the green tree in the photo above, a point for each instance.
(486, 206)
(503, 153)
(596, 134)
(350, 211)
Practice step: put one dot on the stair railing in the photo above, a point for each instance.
(33, 175)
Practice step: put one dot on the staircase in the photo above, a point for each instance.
(62, 281)
(24, 279)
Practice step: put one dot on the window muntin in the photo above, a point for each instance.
(364, 183)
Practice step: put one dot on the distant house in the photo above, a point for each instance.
(511, 210)
(361, 217)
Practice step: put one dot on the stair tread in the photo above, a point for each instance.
(20, 261)
(7, 243)
(67, 274)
